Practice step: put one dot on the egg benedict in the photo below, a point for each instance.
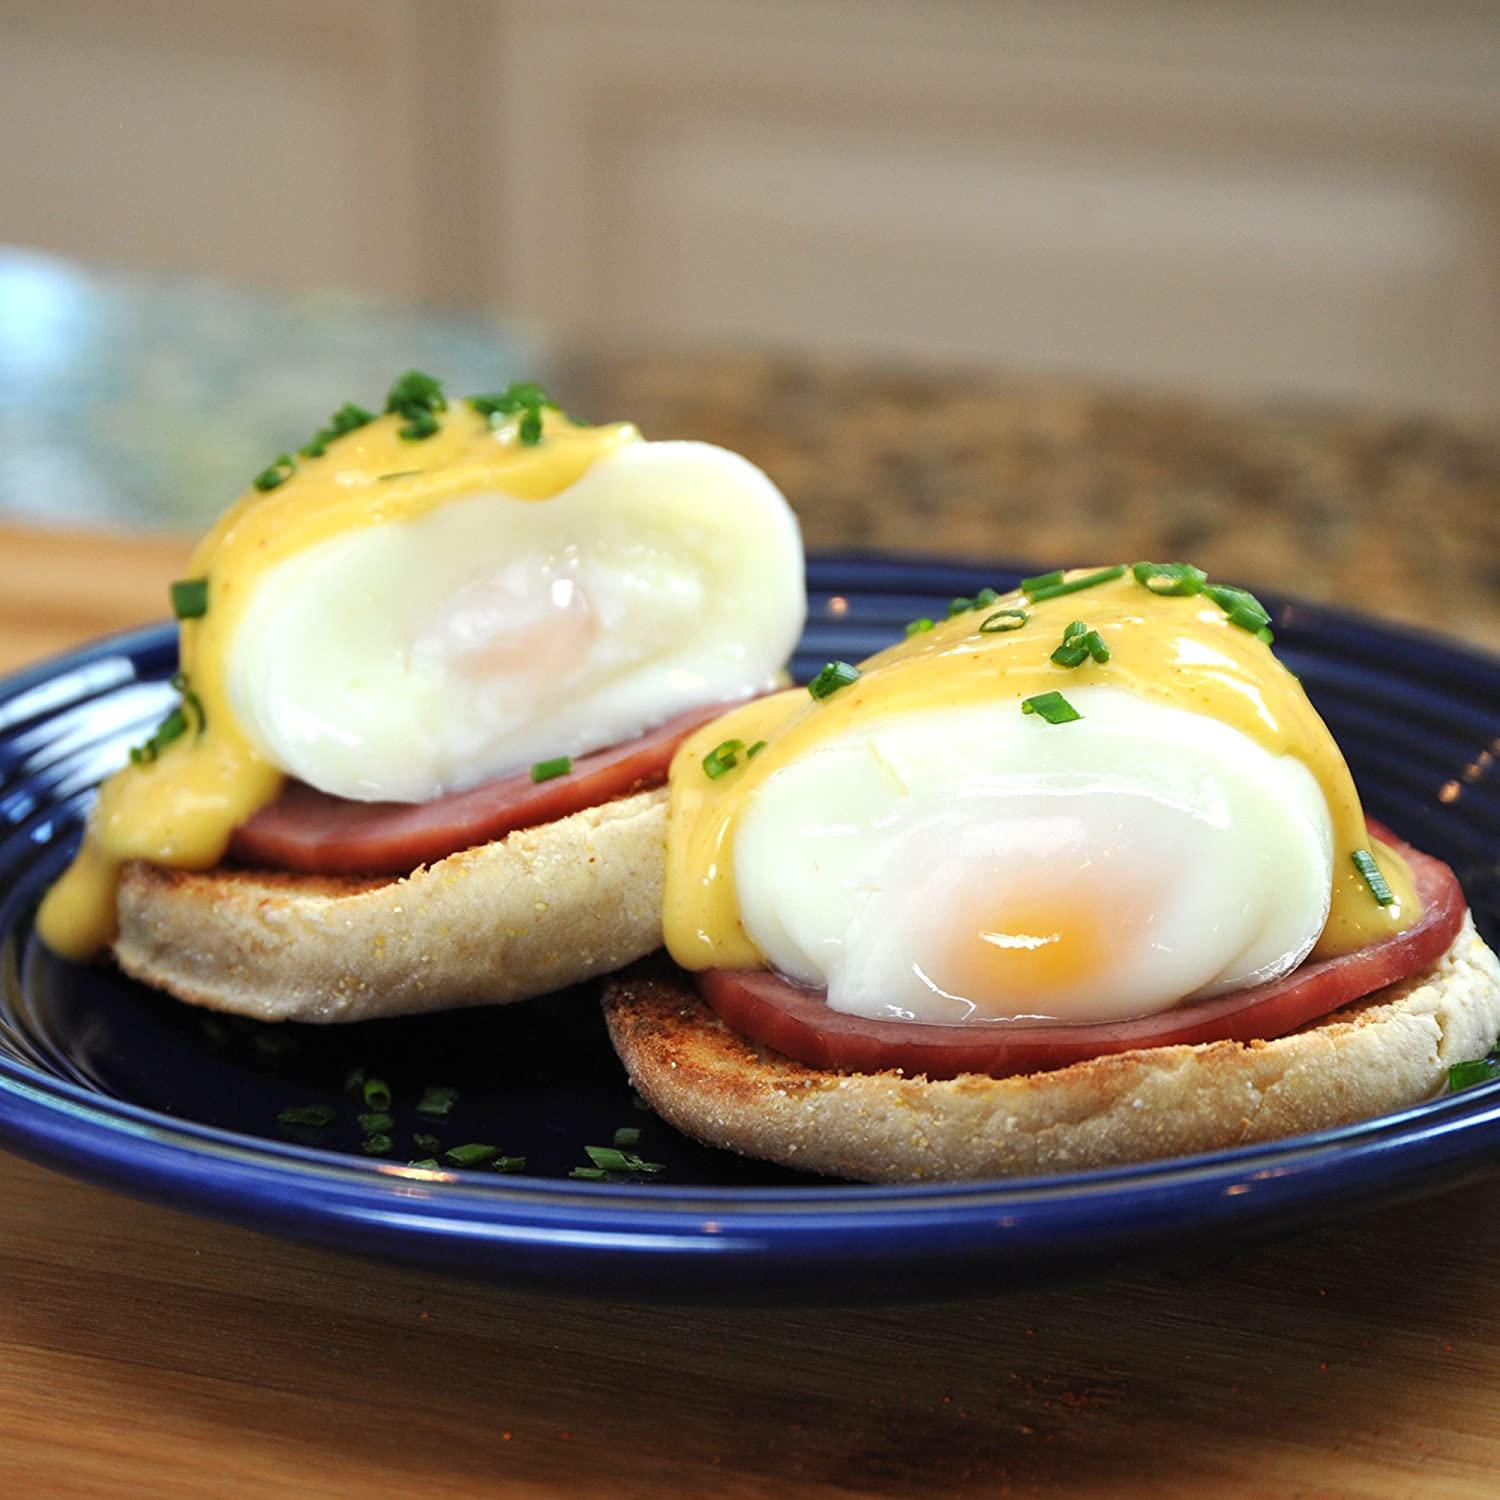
(1090, 820)
(424, 632)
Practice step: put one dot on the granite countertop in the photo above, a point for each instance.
(1395, 515)
(133, 402)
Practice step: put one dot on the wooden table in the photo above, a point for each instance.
(147, 1353)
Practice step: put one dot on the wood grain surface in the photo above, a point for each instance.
(146, 1353)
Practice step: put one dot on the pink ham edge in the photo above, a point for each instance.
(312, 832)
(795, 1021)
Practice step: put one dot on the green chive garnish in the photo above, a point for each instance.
(917, 627)
(628, 1135)
(1052, 707)
(1176, 579)
(546, 770)
(984, 598)
(377, 1094)
(1364, 862)
(418, 397)
(400, 474)
(190, 598)
(281, 468)
(436, 1102)
(1466, 1075)
(316, 1115)
(836, 675)
(590, 1174)
(346, 419)
(428, 1143)
(755, 749)
(1238, 602)
(1247, 619)
(1071, 654)
(959, 607)
(1003, 620)
(1041, 581)
(509, 1164)
(609, 1159)
(1073, 586)
(1096, 646)
(426, 1164)
(723, 757)
(373, 1123)
(472, 1155)
(377, 1145)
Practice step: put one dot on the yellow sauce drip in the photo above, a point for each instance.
(181, 809)
(1182, 652)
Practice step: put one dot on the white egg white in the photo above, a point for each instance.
(979, 863)
(417, 657)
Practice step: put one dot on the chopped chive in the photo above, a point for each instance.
(1069, 655)
(1041, 581)
(509, 1164)
(530, 429)
(917, 627)
(192, 704)
(836, 675)
(347, 418)
(1003, 620)
(1265, 634)
(1466, 1075)
(472, 1155)
(1075, 630)
(1052, 707)
(1072, 586)
(755, 749)
(1176, 579)
(400, 474)
(436, 1101)
(173, 727)
(418, 397)
(1234, 600)
(1253, 620)
(277, 472)
(427, 1143)
(723, 757)
(984, 598)
(377, 1145)
(316, 1115)
(959, 606)
(1364, 862)
(611, 1160)
(190, 598)
(426, 1164)
(547, 770)
(1096, 646)
(628, 1135)
(374, 1123)
(590, 1174)
(376, 1093)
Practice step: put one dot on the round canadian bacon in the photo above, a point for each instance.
(312, 832)
(795, 1021)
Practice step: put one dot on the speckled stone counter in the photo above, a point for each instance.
(1398, 516)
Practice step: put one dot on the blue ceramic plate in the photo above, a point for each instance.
(115, 1083)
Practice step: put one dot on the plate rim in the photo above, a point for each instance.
(66, 1125)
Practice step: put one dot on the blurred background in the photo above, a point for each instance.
(1045, 278)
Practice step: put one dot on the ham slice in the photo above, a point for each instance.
(796, 1021)
(312, 832)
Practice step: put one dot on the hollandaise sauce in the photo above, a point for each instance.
(1206, 652)
(180, 799)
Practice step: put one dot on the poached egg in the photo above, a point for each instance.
(424, 600)
(920, 846)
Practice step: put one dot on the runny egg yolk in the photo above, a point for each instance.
(1039, 945)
